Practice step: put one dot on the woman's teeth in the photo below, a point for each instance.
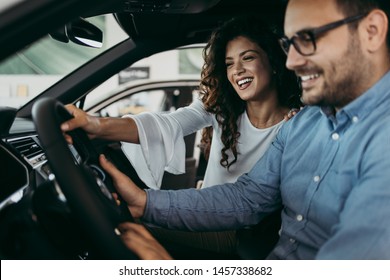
(244, 81)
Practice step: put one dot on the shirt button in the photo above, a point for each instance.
(316, 178)
(355, 119)
(299, 218)
(335, 136)
(292, 240)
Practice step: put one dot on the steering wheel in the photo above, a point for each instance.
(81, 181)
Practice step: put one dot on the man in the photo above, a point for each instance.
(329, 166)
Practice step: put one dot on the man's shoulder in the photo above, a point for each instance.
(307, 116)
(306, 122)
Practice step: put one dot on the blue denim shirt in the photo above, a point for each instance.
(331, 174)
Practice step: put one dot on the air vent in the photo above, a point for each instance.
(29, 148)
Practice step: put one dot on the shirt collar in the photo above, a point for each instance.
(365, 103)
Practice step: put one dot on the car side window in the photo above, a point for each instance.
(145, 101)
(154, 100)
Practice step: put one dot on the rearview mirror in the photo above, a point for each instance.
(80, 32)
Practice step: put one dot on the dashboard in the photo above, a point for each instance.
(37, 221)
(23, 164)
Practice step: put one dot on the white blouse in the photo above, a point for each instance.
(162, 146)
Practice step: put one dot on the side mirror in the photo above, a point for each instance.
(80, 32)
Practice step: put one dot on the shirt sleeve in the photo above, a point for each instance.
(226, 206)
(162, 147)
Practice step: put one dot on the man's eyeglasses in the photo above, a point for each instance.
(304, 41)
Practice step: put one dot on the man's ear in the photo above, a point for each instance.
(374, 30)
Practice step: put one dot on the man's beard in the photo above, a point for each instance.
(349, 75)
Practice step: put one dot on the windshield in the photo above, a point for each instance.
(41, 64)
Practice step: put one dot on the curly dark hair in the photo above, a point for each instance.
(219, 96)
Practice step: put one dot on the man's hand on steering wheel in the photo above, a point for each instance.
(139, 240)
(131, 194)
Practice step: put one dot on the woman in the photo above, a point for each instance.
(246, 92)
(244, 99)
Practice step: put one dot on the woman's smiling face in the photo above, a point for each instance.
(248, 68)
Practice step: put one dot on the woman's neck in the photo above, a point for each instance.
(265, 113)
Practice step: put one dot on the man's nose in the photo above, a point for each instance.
(294, 59)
